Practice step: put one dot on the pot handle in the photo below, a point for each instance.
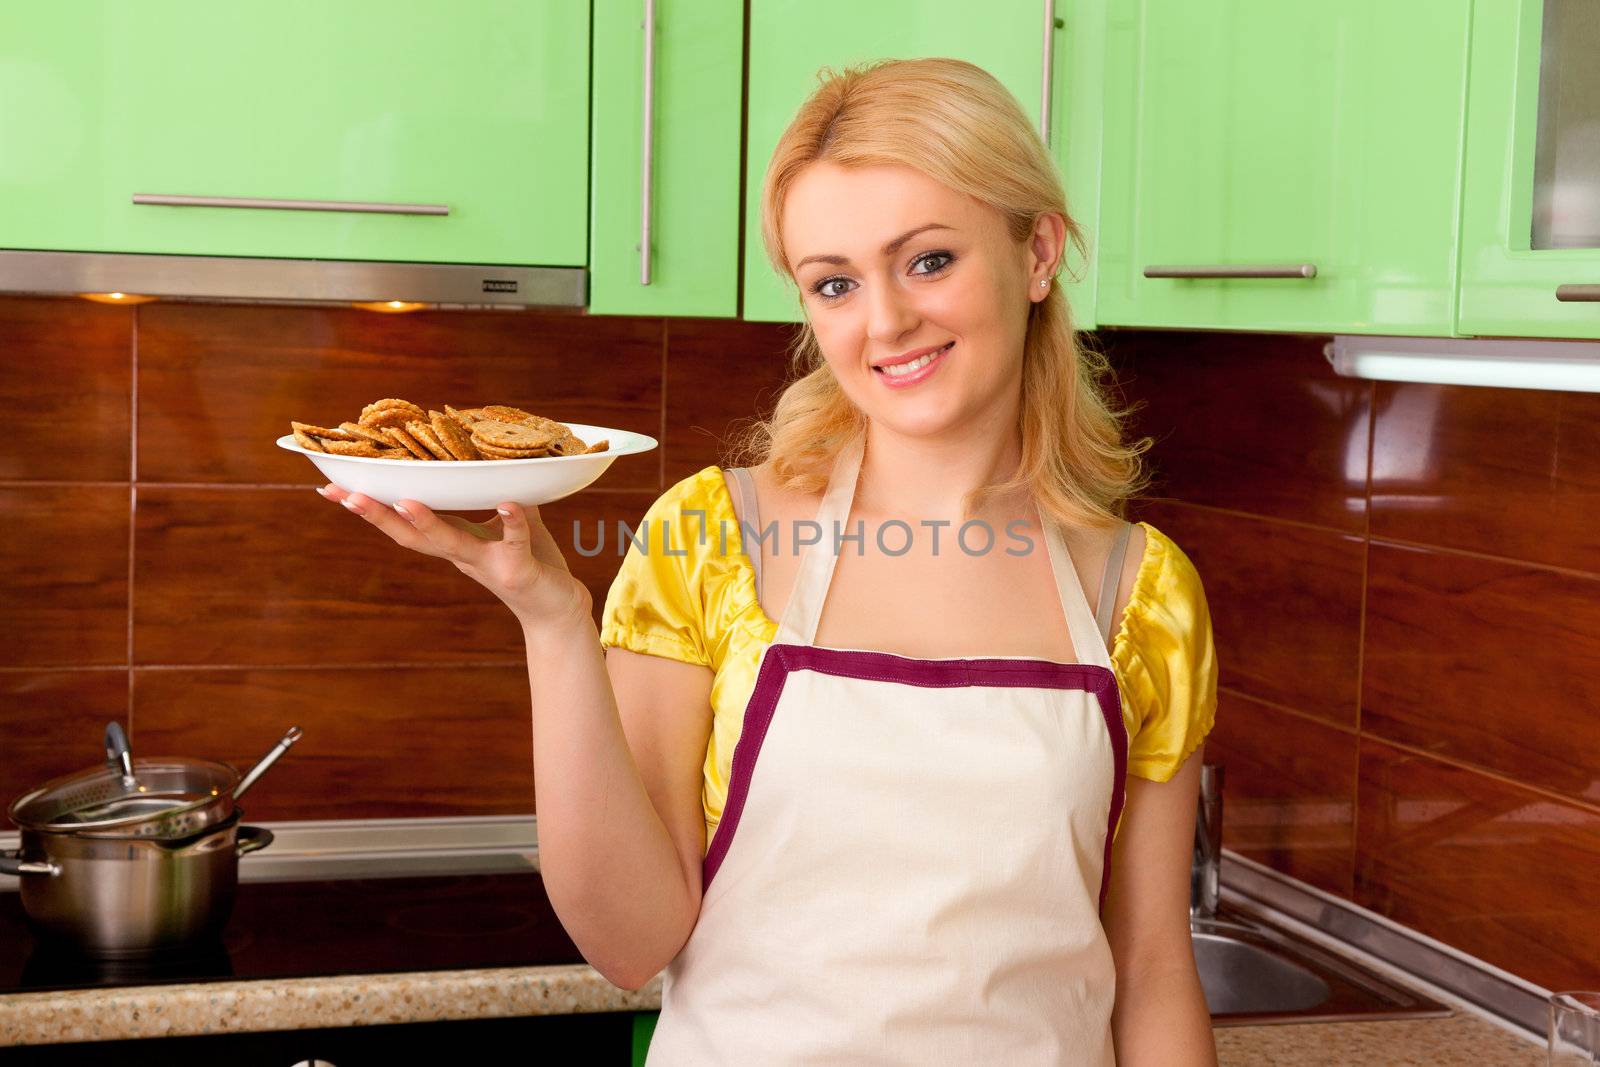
(11, 862)
(118, 758)
(252, 838)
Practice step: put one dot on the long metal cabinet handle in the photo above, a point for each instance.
(1047, 79)
(1223, 270)
(271, 204)
(647, 150)
(1578, 293)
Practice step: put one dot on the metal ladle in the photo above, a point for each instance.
(266, 761)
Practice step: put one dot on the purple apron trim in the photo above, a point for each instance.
(780, 660)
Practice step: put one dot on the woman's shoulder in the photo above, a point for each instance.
(704, 488)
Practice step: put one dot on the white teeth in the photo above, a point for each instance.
(899, 369)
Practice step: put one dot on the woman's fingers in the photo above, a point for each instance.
(446, 538)
(514, 525)
(385, 519)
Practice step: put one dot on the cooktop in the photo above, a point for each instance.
(294, 929)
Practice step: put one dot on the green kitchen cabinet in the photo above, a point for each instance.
(479, 110)
(791, 40)
(1530, 224)
(692, 264)
(1283, 166)
(644, 1027)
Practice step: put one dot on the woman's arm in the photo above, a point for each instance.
(1160, 1016)
(618, 743)
(617, 781)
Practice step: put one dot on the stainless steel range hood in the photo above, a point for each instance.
(292, 281)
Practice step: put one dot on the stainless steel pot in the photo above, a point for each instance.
(131, 895)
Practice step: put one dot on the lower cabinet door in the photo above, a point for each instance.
(644, 1027)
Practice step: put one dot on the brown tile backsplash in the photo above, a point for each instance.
(1486, 662)
(1285, 605)
(64, 600)
(720, 375)
(1289, 785)
(1490, 867)
(53, 723)
(1506, 472)
(379, 742)
(1402, 579)
(1249, 422)
(66, 373)
(1455, 643)
(218, 385)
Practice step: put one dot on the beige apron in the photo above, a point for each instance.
(913, 853)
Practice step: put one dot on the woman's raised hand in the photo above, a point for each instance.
(512, 555)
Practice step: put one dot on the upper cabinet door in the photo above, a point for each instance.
(1283, 166)
(692, 183)
(481, 110)
(1531, 218)
(791, 40)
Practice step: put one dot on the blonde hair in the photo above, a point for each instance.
(956, 123)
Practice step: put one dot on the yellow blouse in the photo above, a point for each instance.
(687, 591)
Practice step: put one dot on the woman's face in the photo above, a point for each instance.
(891, 263)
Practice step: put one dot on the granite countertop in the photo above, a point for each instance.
(359, 1000)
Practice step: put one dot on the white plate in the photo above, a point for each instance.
(476, 485)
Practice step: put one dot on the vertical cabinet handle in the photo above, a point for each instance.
(1047, 78)
(647, 150)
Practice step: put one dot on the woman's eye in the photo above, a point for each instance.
(941, 261)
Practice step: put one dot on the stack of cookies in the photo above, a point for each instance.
(399, 429)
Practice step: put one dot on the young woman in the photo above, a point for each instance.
(897, 760)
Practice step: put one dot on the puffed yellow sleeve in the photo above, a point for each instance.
(1165, 662)
(655, 604)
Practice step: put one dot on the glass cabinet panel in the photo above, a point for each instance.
(1566, 161)
(1530, 194)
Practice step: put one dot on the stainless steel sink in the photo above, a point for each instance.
(1253, 973)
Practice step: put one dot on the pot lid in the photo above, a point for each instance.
(158, 792)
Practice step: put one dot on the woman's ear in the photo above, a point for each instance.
(1048, 242)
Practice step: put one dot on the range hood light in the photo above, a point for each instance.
(117, 298)
(390, 306)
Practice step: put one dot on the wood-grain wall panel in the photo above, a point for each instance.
(1285, 605)
(1499, 871)
(53, 723)
(1488, 662)
(218, 385)
(1507, 472)
(391, 742)
(1289, 785)
(1257, 423)
(64, 554)
(720, 375)
(66, 371)
(283, 576)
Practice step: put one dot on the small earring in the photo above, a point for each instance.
(1043, 282)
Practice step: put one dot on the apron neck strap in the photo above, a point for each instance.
(814, 574)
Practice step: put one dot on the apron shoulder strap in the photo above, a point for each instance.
(1109, 582)
(747, 512)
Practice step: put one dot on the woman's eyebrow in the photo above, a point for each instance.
(888, 250)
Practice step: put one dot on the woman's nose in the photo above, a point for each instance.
(890, 315)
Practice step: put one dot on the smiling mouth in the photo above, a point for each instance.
(900, 370)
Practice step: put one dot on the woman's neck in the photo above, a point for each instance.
(916, 478)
